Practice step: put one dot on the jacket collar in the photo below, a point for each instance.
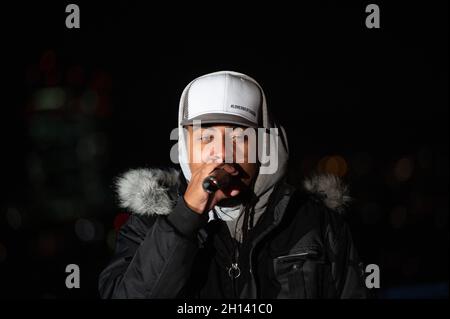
(154, 191)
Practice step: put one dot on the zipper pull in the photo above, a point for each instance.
(234, 271)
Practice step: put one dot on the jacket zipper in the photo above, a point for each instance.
(261, 236)
(234, 271)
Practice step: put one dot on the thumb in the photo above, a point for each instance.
(234, 192)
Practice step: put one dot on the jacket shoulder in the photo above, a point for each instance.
(321, 201)
(332, 199)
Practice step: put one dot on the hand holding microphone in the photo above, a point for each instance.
(218, 179)
(210, 184)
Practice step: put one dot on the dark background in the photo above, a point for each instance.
(84, 105)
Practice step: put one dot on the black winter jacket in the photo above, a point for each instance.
(301, 247)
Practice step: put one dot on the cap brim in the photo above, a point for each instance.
(220, 118)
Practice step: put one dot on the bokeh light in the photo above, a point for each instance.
(403, 169)
(46, 245)
(85, 230)
(14, 218)
(335, 165)
(49, 99)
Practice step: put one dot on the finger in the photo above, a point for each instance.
(205, 169)
(228, 192)
(230, 169)
(234, 192)
(218, 196)
(209, 168)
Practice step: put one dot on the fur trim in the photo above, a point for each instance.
(147, 191)
(333, 192)
(151, 191)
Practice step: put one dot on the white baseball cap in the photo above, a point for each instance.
(222, 97)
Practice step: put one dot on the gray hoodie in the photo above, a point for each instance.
(275, 140)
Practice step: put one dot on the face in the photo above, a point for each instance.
(224, 144)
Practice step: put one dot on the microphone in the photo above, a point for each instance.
(217, 179)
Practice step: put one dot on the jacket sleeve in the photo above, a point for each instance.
(347, 269)
(153, 255)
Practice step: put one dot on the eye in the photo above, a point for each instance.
(238, 138)
(205, 138)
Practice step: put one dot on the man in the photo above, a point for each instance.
(253, 237)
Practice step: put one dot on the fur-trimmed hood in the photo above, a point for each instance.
(150, 191)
